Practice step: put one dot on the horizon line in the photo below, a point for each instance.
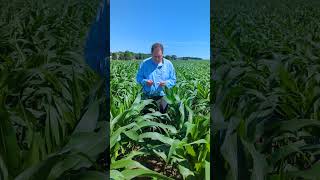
(203, 57)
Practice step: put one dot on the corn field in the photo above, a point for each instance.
(174, 145)
(266, 93)
(52, 106)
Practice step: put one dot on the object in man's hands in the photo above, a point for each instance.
(149, 82)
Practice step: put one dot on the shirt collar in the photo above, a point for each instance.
(158, 65)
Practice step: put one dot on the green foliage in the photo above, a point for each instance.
(266, 89)
(51, 124)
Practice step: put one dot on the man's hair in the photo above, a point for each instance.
(156, 45)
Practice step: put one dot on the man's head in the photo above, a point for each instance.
(157, 52)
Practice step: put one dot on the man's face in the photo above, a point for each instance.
(157, 55)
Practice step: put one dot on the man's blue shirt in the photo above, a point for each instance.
(96, 46)
(150, 70)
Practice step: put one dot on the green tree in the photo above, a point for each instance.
(114, 56)
(139, 56)
(128, 55)
(121, 55)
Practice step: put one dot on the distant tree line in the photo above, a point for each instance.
(189, 58)
(128, 55)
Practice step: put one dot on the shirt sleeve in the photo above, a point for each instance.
(172, 77)
(140, 79)
(96, 42)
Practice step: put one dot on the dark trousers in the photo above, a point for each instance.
(163, 105)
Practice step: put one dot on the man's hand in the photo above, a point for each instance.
(162, 83)
(149, 82)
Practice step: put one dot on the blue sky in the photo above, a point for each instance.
(182, 26)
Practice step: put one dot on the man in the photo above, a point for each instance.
(154, 74)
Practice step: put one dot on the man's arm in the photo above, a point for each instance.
(172, 78)
(96, 43)
(140, 79)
